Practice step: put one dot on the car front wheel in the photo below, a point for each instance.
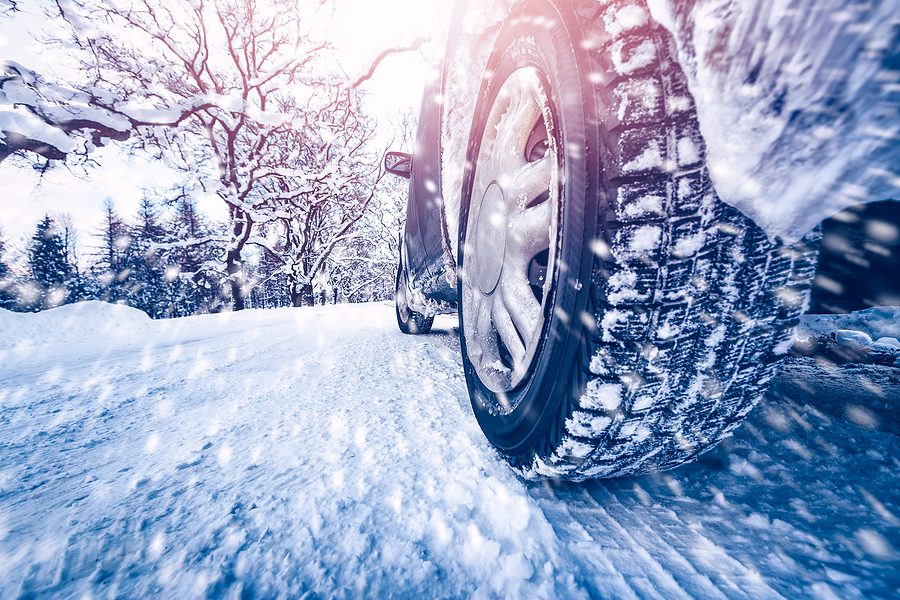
(616, 316)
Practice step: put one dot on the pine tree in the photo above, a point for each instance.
(81, 285)
(194, 287)
(143, 273)
(110, 268)
(7, 285)
(49, 265)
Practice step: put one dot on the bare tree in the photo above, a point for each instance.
(53, 121)
(9, 6)
(317, 218)
(219, 75)
(364, 269)
(236, 93)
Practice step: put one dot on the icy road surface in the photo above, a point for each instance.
(319, 450)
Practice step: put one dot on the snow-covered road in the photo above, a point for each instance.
(319, 450)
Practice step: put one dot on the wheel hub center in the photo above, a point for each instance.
(490, 238)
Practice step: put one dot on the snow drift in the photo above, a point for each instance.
(865, 336)
(91, 321)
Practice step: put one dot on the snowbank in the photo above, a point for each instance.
(102, 323)
(91, 321)
(865, 336)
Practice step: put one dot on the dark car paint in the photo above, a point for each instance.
(859, 262)
(426, 249)
(424, 238)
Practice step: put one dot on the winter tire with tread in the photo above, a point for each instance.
(641, 318)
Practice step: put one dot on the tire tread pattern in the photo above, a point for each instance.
(694, 306)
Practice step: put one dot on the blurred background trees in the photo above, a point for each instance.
(247, 101)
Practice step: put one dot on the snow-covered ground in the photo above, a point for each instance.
(319, 450)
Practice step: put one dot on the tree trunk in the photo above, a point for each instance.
(235, 279)
(301, 294)
(241, 226)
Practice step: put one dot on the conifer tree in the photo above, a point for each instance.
(48, 265)
(7, 284)
(195, 284)
(80, 285)
(110, 268)
(143, 273)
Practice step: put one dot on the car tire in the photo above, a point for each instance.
(663, 312)
(409, 321)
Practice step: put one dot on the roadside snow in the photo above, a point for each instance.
(877, 322)
(866, 336)
(321, 452)
(91, 321)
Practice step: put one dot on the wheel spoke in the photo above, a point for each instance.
(515, 127)
(522, 306)
(531, 181)
(507, 331)
(529, 232)
(484, 330)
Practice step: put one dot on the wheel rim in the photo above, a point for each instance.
(511, 234)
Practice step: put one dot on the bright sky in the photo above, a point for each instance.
(360, 31)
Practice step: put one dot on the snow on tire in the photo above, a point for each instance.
(663, 312)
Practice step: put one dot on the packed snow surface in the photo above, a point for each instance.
(320, 451)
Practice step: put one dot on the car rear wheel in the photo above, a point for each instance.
(616, 316)
(408, 320)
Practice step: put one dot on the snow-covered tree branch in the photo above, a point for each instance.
(243, 96)
(213, 88)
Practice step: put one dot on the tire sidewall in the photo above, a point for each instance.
(537, 400)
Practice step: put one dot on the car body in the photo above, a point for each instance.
(782, 114)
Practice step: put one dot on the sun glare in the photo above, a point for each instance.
(362, 29)
(363, 26)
